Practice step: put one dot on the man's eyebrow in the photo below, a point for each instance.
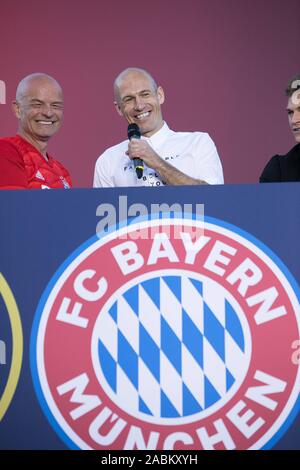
(36, 100)
(127, 96)
(147, 90)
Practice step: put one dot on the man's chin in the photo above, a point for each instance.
(43, 137)
(46, 135)
(144, 128)
(297, 139)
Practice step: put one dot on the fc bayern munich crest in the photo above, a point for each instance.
(161, 335)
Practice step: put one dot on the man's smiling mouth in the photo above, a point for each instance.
(143, 115)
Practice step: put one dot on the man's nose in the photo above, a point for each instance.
(139, 103)
(296, 116)
(47, 110)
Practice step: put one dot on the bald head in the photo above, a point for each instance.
(138, 99)
(36, 80)
(38, 108)
(132, 73)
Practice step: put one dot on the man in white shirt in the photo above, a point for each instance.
(172, 158)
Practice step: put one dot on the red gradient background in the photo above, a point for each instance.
(223, 64)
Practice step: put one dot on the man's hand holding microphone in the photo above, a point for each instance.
(140, 151)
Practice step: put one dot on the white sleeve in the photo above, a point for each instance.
(207, 161)
(102, 177)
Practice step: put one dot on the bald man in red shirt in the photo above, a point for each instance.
(24, 160)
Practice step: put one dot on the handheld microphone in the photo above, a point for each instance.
(134, 132)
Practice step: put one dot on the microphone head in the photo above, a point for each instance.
(133, 131)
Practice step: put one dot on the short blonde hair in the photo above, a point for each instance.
(293, 85)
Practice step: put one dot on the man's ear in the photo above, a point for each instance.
(16, 109)
(118, 108)
(160, 95)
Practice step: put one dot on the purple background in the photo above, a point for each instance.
(223, 64)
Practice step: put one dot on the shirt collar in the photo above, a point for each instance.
(159, 136)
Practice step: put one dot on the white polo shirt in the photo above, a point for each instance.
(193, 153)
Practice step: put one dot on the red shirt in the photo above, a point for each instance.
(22, 166)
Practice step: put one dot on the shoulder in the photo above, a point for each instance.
(198, 140)
(290, 155)
(193, 136)
(8, 143)
(12, 166)
(117, 148)
(9, 149)
(293, 153)
(111, 152)
(271, 173)
(282, 167)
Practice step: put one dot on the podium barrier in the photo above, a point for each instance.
(150, 318)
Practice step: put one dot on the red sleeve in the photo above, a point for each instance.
(12, 169)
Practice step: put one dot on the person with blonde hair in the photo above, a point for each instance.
(284, 168)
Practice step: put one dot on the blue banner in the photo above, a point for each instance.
(157, 319)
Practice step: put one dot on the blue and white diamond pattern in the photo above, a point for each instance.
(170, 346)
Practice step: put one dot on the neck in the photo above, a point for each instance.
(151, 133)
(40, 145)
